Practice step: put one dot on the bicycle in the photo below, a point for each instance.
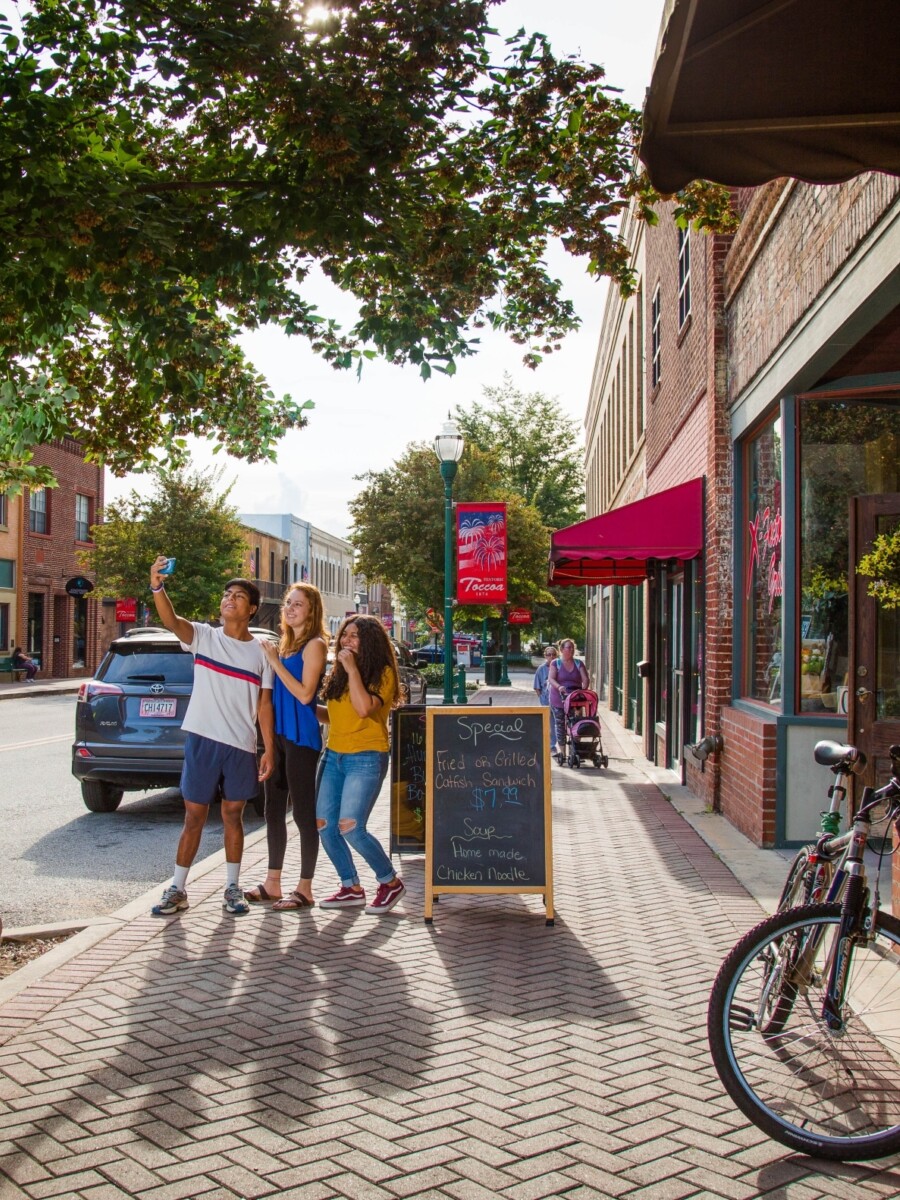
(816, 874)
(804, 1014)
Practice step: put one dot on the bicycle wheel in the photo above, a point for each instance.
(807, 881)
(831, 1094)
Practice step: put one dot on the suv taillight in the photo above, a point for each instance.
(92, 688)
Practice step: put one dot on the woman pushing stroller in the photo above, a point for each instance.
(566, 673)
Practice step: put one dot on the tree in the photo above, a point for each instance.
(171, 173)
(187, 519)
(398, 529)
(539, 456)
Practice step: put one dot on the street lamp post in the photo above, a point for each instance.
(448, 446)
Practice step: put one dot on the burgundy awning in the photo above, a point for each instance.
(616, 546)
(744, 91)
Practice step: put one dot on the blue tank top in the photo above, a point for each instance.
(293, 719)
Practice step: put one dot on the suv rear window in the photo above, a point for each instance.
(136, 664)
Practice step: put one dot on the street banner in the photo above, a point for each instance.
(126, 610)
(387, 620)
(481, 553)
(519, 616)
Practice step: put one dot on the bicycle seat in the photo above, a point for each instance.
(832, 754)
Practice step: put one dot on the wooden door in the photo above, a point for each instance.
(873, 697)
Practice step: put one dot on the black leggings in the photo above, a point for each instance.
(294, 776)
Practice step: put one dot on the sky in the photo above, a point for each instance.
(362, 425)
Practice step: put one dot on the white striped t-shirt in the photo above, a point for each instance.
(228, 677)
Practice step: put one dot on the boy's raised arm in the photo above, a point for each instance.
(182, 629)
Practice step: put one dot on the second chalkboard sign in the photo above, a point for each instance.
(488, 812)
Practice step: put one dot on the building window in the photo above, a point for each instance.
(37, 511)
(256, 561)
(655, 339)
(82, 518)
(763, 567)
(4, 514)
(7, 573)
(4, 627)
(684, 276)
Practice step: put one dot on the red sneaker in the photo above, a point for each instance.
(345, 898)
(386, 897)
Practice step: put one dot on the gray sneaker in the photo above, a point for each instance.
(173, 901)
(234, 901)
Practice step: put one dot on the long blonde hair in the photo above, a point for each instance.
(314, 626)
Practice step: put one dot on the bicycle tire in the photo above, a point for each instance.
(834, 1096)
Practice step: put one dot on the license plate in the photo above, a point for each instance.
(151, 707)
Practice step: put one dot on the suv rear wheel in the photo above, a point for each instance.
(101, 797)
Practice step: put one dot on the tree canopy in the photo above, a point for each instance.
(170, 174)
(536, 446)
(186, 518)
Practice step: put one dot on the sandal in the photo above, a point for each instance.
(294, 900)
(259, 895)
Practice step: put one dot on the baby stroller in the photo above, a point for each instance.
(581, 737)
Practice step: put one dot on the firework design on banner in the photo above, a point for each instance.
(481, 553)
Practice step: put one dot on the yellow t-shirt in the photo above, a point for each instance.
(349, 733)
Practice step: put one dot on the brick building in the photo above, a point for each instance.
(10, 558)
(62, 632)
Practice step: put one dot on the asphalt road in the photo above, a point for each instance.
(62, 862)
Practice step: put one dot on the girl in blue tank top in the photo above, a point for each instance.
(299, 664)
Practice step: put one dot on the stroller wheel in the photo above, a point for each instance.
(598, 761)
(561, 759)
(576, 761)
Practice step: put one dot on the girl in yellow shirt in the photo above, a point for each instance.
(359, 694)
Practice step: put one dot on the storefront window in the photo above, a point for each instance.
(763, 580)
(847, 449)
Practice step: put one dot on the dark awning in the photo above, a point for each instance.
(744, 91)
(616, 546)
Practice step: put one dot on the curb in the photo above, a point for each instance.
(22, 691)
(91, 930)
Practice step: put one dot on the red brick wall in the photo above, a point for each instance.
(747, 773)
(683, 378)
(48, 560)
(688, 436)
(784, 256)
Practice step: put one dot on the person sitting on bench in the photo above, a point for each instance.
(21, 662)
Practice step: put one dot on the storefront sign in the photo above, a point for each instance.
(126, 610)
(78, 586)
(481, 553)
(519, 616)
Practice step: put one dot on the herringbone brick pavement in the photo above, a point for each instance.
(333, 1054)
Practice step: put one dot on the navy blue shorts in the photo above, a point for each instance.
(210, 766)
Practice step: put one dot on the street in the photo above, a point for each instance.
(64, 862)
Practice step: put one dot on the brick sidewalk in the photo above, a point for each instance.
(328, 1054)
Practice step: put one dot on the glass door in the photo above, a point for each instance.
(873, 681)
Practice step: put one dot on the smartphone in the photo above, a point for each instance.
(169, 568)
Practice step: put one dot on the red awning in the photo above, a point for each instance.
(616, 546)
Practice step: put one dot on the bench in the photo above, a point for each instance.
(16, 674)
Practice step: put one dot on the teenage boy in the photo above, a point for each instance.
(232, 690)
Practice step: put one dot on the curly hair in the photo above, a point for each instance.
(375, 656)
(292, 641)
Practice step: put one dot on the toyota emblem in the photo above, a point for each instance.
(156, 688)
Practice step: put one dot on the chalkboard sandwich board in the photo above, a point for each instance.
(488, 816)
(408, 778)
